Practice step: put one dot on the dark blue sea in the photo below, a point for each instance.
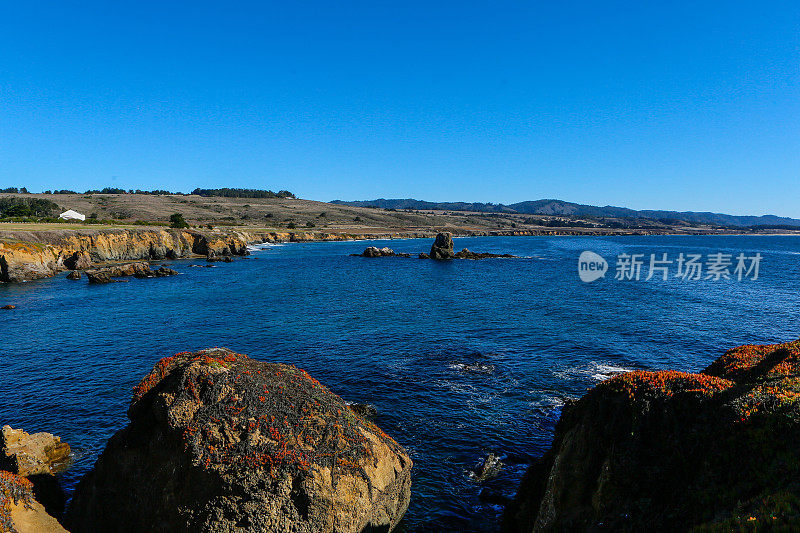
(461, 358)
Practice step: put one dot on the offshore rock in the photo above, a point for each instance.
(78, 261)
(75, 275)
(28, 455)
(374, 251)
(442, 247)
(673, 451)
(220, 442)
(137, 270)
(8, 307)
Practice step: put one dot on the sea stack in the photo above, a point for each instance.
(221, 442)
(442, 247)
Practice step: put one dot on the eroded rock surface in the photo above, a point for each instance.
(31, 454)
(221, 442)
(673, 451)
(442, 247)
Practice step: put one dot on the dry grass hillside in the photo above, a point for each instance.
(289, 214)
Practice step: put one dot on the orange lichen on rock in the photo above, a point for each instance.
(167, 364)
(235, 412)
(14, 490)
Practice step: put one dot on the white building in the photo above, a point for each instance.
(72, 215)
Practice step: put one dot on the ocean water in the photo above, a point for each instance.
(461, 358)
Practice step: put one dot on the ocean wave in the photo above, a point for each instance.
(594, 370)
(262, 246)
(547, 403)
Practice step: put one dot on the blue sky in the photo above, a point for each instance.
(668, 105)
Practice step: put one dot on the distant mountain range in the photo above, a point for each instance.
(570, 209)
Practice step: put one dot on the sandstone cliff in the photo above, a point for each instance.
(672, 451)
(33, 255)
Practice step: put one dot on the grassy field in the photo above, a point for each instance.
(289, 214)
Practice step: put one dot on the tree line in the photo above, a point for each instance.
(224, 192)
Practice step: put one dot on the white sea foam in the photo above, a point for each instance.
(480, 368)
(262, 246)
(594, 370)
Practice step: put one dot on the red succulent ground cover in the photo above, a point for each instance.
(743, 361)
(14, 489)
(640, 383)
(256, 415)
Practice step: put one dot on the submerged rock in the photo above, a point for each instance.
(366, 410)
(28, 455)
(487, 469)
(220, 442)
(442, 247)
(674, 451)
(220, 259)
(466, 254)
(137, 270)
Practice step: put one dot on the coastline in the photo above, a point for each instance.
(40, 252)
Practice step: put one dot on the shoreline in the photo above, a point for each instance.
(35, 253)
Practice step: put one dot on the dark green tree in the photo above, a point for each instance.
(177, 221)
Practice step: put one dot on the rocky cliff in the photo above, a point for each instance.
(673, 451)
(33, 255)
(220, 442)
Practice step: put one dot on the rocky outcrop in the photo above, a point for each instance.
(442, 247)
(8, 307)
(75, 275)
(220, 442)
(28, 455)
(78, 261)
(23, 261)
(28, 463)
(137, 270)
(374, 251)
(673, 451)
(489, 468)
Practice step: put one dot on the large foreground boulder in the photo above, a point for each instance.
(442, 247)
(220, 442)
(673, 451)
